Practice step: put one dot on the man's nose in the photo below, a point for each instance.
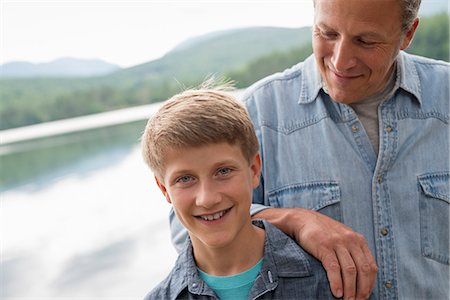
(343, 55)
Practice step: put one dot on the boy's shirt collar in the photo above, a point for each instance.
(276, 248)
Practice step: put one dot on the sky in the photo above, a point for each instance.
(128, 33)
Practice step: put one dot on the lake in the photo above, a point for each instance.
(81, 217)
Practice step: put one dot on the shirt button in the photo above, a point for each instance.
(194, 285)
(355, 128)
(388, 284)
(384, 231)
(389, 129)
(380, 179)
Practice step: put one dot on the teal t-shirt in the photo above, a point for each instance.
(232, 287)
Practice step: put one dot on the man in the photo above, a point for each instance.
(372, 122)
(359, 132)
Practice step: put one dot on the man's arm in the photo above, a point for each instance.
(345, 255)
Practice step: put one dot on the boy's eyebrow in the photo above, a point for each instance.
(227, 161)
(180, 172)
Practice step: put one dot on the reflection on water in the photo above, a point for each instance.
(81, 217)
(36, 161)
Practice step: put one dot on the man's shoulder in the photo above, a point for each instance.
(290, 77)
(425, 67)
(423, 60)
(427, 79)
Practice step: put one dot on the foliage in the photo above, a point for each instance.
(269, 64)
(432, 38)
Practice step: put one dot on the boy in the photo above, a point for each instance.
(203, 150)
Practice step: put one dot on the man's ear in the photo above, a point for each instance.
(163, 189)
(408, 37)
(256, 169)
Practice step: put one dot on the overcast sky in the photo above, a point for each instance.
(128, 32)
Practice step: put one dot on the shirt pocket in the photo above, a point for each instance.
(434, 215)
(321, 196)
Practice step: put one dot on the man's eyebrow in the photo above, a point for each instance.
(324, 26)
(366, 34)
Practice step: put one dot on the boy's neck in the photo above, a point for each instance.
(233, 259)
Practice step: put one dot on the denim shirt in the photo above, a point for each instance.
(316, 155)
(287, 272)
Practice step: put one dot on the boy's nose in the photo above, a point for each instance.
(207, 195)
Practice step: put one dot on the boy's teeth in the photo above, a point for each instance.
(214, 216)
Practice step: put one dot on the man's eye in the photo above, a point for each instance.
(328, 34)
(224, 171)
(366, 43)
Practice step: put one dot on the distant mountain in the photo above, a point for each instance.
(219, 51)
(63, 67)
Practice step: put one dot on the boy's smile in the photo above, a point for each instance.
(214, 216)
(210, 188)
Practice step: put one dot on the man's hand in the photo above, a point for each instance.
(351, 268)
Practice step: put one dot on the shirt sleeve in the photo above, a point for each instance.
(178, 232)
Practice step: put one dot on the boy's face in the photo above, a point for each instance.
(210, 188)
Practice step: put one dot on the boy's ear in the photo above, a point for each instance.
(256, 169)
(163, 189)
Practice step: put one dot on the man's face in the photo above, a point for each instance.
(210, 188)
(355, 44)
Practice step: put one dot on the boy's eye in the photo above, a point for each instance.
(184, 179)
(224, 171)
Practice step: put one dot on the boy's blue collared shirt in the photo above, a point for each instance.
(317, 155)
(287, 272)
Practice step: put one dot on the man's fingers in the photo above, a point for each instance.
(333, 269)
(365, 274)
(370, 269)
(344, 253)
(349, 272)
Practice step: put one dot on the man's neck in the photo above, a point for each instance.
(239, 256)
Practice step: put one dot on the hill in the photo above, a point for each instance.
(214, 52)
(63, 67)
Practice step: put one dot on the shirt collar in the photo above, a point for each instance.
(311, 81)
(185, 274)
(407, 78)
(277, 247)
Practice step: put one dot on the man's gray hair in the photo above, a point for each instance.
(410, 9)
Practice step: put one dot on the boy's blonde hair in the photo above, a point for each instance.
(197, 117)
